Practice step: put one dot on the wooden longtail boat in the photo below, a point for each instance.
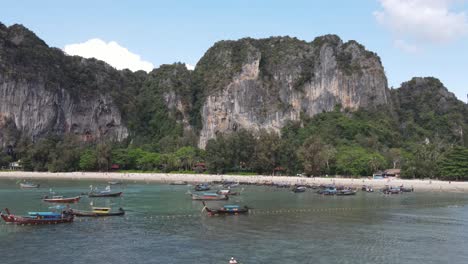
(28, 185)
(226, 210)
(105, 194)
(61, 199)
(209, 196)
(98, 212)
(38, 218)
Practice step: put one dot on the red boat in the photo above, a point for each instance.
(61, 199)
(38, 218)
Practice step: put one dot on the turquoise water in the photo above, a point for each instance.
(163, 225)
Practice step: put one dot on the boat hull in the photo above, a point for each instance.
(92, 214)
(96, 195)
(209, 198)
(62, 200)
(29, 186)
(20, 220)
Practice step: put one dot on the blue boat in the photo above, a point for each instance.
(328, 191)
(202, 187)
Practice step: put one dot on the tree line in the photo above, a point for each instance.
(333, 143)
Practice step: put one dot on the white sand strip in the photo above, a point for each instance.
(419, 185)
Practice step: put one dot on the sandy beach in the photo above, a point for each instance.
(419, 185)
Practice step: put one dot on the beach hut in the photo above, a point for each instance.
(393, 173)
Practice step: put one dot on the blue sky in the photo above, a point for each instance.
(413, 37)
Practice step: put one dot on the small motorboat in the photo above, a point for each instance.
(230, 184)
(346, 192)
(328, 191)
(115, 182)
(61, 199)
(29, 185)
(405, 189)
(227, 192)
(106, 193)
(226, 210)
(299, 189)
(178, 183)
(391, 190)
(38, 218)
(209, 196)
(98, 212)
(202, 187)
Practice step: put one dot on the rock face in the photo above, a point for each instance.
(39, 95)
(249, 84)
(36, 112)
(262, 84)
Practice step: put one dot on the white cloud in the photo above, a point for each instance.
(110, 52)
(190, 66)
(421, 21)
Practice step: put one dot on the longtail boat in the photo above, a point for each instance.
(209, 196)
(226, 210)
(98, 212)
(61, 199)
(105, 194)
(28, 185)
(38, 218)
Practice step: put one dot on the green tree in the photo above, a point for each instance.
(313, 156)
(88, 160)
(266, 156)
(454, 165)
(103, 154)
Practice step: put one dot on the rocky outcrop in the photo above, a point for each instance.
(44, 92)
(262, 84)
(37, 112)
(249, 84)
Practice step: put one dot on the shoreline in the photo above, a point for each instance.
(419, 185)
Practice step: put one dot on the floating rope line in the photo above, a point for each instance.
(262, 212)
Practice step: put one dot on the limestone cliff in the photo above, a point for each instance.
(262, 84)
(43, 91)
(250, 84)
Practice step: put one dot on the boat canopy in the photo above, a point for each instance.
(231, 206)
(43, 214)
(210, 194)
(101, 209)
